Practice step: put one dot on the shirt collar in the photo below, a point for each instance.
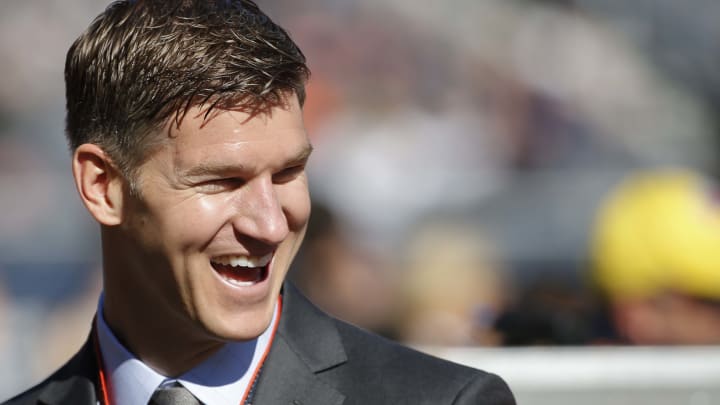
(221, 379)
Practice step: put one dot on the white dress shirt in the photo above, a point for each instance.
(221, 379)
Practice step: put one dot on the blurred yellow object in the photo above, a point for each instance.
(659, 231)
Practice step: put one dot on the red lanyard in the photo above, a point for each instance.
(103, 385)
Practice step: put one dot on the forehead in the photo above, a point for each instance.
(237, 134)
(252, 125)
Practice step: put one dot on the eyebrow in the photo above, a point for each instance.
(205, 169)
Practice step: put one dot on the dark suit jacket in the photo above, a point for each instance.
(316, 360)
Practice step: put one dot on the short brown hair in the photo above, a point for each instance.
(144, 62)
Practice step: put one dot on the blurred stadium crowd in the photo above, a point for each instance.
(486, 173)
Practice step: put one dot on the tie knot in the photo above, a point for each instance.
(173, 395)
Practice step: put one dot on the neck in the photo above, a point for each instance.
(160, 343)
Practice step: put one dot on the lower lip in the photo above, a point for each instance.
(243, 292)
(241, 277)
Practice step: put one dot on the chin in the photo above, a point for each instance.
(227, 311)
(239, 325)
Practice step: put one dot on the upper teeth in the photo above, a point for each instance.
(243, 261)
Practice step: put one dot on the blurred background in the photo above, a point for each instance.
(525, 186)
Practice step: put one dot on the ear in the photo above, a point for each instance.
(99, 183)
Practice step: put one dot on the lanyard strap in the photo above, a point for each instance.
(103, 386)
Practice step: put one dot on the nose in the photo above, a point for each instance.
(260, 214)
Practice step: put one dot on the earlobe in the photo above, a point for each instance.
(99, 184)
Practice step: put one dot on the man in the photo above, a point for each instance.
(656, 258)
(189, 149)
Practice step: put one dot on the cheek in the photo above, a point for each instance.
(295, 200)
(194, 222)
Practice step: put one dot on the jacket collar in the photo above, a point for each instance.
(307, 343)
(310, 333)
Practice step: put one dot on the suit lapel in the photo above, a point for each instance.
(285, 379)
(306, 344)
(75, 382)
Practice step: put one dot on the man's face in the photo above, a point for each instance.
(222, 211)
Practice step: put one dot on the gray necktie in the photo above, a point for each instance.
(173, 395)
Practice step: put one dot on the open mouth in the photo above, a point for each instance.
(240, 270)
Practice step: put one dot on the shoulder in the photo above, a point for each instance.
(32, 395)
(28, 397)
(73, 383)
(400, 375)
(369, 369)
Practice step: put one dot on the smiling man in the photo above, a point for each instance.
(189, 150)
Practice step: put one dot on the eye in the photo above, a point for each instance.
(220, 185)
(288, 174)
